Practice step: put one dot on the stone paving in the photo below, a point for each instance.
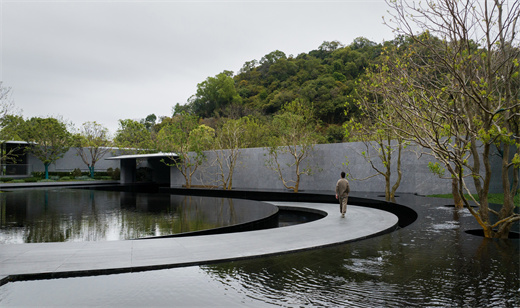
(49, 260)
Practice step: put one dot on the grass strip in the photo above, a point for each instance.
(492, 198)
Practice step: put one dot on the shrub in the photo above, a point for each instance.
(5, 180)
(46, 180)
(116, 174)
(38, 174)
(76, 173)
(30, 180)
(65, 178)
(17, 181)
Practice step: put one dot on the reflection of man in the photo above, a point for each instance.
(342, 191)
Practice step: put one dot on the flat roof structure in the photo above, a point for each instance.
(139, 156)
(128, 164)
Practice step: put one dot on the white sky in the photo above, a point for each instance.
(108, 60)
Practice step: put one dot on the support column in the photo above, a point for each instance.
(128, 171)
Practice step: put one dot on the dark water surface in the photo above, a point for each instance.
(65, 215)
(431, 263)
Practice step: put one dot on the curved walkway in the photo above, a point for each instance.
(49, 260)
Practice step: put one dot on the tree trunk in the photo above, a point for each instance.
(297, 184)
(230, 179)
(46, 170)
(457, 199)
(399, 172)
(488, 232)
(387, 188)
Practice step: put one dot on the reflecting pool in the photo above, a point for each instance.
(431, 263)
(64, 215)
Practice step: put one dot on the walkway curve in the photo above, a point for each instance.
(72, 259)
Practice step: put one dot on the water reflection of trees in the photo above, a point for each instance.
(86, 215)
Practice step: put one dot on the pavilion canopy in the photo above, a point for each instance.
(138, 156)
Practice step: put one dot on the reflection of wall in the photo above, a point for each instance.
(253, 173)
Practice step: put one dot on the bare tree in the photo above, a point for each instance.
(7, 118)
(6, 102)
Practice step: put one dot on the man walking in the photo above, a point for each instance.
(342, 191)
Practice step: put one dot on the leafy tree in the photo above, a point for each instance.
(294, 135)
(92, 143)
(48, 139)
(179, 109)
(271, 58)
(330, 46)
(12, 127)
(188, 140)
(231, 137)
(133, 137)
(213, 94)
(461, 92)
(149, 121)
(248, 66)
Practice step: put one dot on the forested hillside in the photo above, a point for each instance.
(325, 78)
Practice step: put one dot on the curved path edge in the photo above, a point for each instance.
(75, 259)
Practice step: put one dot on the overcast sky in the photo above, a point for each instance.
(108, 60)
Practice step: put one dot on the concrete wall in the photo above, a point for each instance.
(328, 162)
(71, 161)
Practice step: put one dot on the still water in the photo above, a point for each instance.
(431, 263)
(73, 215)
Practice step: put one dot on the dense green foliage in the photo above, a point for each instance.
(325, 77)
(133, 137)
(48, 139)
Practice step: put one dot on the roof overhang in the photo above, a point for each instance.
(13, 142)
(140, 156)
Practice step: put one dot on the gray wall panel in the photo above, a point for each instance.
(328, 161)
